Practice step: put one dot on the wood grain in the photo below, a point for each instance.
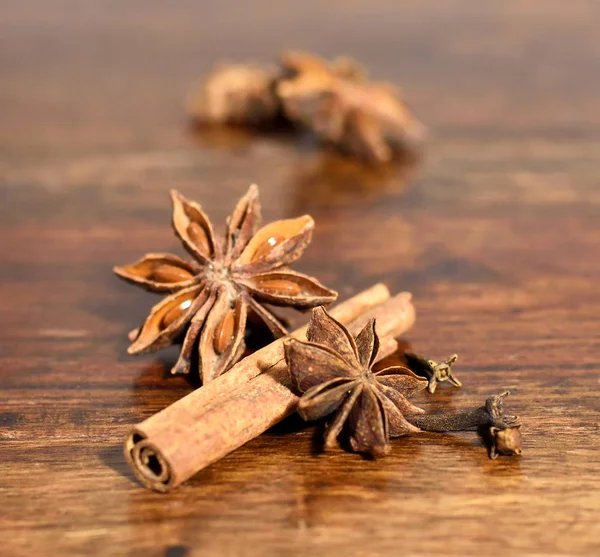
(495, 231)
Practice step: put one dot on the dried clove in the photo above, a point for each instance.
(490, 418)
(433, 371)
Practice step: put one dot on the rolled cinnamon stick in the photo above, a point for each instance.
(171, 446)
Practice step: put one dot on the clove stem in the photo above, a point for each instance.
(455, 421)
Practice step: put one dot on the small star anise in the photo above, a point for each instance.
(368, 120)
(333, 371)
(211, 295)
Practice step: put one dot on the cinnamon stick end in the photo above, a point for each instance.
(148, 463)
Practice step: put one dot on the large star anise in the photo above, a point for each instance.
(333, 371)
(211, 295)
(368, 120)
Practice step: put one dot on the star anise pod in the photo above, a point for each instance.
(239, 94)
(211, 296)
(366, 119)
(333, 371)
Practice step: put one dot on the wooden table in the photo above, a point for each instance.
(497, 233)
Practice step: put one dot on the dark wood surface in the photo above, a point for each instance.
(496, 231)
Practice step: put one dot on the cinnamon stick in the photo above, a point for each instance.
(207, 424)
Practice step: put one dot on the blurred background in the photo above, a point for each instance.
(107, 74)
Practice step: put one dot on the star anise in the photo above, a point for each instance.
(239, 94)
(211, 296)
(366, 119)
(333, 371)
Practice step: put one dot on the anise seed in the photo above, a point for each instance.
(224, 332)
(284, 287)
(267, 246)
(175, 312)
(198, 236)
(168, 273)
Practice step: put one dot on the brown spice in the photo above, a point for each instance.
(490, 419)
(333, 371)
(433, 371)
(239, 94)
(219, 417)
(211, 295)
(334, 100)
(505, 441)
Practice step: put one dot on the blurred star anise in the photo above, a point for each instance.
(366, 119)
(333, 371)
(211, 296)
